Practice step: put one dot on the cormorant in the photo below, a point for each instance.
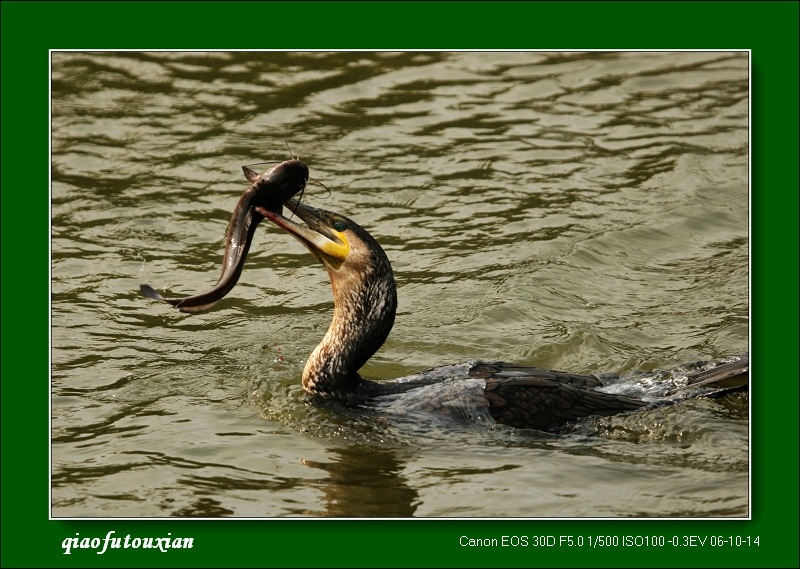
(365, 302)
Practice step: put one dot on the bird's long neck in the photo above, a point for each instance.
(365, 303)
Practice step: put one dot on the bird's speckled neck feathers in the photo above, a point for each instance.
(365, 303)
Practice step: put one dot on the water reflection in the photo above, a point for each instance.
(365, 484)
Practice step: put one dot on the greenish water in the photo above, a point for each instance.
(577, 211)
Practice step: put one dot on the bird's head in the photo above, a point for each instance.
(351, 256)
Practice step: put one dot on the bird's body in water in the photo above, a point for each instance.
(365, 303)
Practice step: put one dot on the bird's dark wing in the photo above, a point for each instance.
(508, 370)
(532, 398)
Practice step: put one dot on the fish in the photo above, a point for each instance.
(269, 190)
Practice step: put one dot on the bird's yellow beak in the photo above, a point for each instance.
(323, 234)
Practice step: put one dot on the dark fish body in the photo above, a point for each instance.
(276, 186)
(270, 191)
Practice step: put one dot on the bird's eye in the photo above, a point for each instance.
(339, 226)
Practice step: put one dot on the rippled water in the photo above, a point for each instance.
(576, 211)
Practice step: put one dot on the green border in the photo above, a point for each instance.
(770, 29)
